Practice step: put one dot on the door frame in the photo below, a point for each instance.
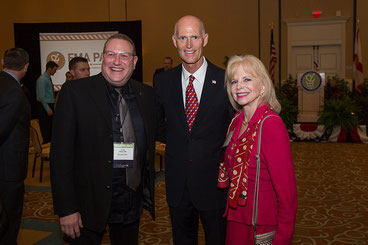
(316, 31)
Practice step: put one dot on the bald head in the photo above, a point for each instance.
(190, 38)
(192, 20)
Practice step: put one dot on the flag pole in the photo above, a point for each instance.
(273, 57)
(354, 31)
(280, 53)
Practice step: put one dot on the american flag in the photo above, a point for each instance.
(273, 58)
(357, 63)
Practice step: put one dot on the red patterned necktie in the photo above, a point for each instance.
(191, 103)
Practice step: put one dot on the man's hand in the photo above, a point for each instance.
(49, 112)
(70, 224)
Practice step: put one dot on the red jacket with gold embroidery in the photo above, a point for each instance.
(277, 204)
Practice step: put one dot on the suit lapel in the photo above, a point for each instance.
(139, 94)
(98, 92)
(177, 97)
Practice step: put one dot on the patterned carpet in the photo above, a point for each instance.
(332, 184)
(332, 181)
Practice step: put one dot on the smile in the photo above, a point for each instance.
(116, 69)
(189, 52)
(242, 95)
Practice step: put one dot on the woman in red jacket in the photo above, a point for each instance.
(252, 94)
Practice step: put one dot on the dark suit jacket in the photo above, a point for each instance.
(82, 150)
(157, 71)
(15, 114)
(191, 157)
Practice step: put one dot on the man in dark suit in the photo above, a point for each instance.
(168, 63)
(198, 112)
(14, 139)
(102, 150)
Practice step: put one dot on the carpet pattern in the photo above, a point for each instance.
(332, 181)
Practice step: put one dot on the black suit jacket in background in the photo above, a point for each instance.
(191, 158)
(157, 71)
(15, 115)
(82, 150)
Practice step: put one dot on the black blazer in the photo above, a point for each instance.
(191, 157)
(15, 114)
(82, 150)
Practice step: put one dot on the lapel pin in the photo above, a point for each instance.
(213, 81)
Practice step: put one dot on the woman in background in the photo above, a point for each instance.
(252, 94)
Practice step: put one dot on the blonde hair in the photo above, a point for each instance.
(254, 67)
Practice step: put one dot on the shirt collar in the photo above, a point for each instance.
(47, 75)
(11, 74)
(126, 90)
(258, 113)
(199, 74)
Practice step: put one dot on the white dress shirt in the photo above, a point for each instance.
(198, 82)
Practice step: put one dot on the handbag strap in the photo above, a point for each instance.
(258, 170)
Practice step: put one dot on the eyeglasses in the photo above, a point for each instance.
(122, 55)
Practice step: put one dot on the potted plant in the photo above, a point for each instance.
(336, 88)
(339, 112)
(287, 95)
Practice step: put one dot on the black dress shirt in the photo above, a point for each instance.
(126, 204)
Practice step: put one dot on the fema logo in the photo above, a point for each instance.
(56, 57)
(311, 81)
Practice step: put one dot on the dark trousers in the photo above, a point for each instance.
(120, 234)
(185, 219)
(12, 195)
(46, 123)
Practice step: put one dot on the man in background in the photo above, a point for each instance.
(198, 113)
(168, 62)
(79, 67)
(14, 139)
(45, 95)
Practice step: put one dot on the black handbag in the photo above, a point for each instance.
(265, 238)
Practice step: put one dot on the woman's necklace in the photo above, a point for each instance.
(245, 123)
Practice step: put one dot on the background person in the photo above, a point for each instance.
(79, 67)
(252, 94)
(194, 140)
(168, 63)
(15, 114)
(93, 182)
(68, 76)
(45, 95)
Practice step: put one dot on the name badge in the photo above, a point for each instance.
(123, 155)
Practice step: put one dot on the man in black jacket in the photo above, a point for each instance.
(102, 150)
(14, 139)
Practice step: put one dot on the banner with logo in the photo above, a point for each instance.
(62, 47)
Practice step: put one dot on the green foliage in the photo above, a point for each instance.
(336, 88)
(289, 112)
(339, 112)
(287, 95)
(362, 103)
(289, 91)
(364, 88)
